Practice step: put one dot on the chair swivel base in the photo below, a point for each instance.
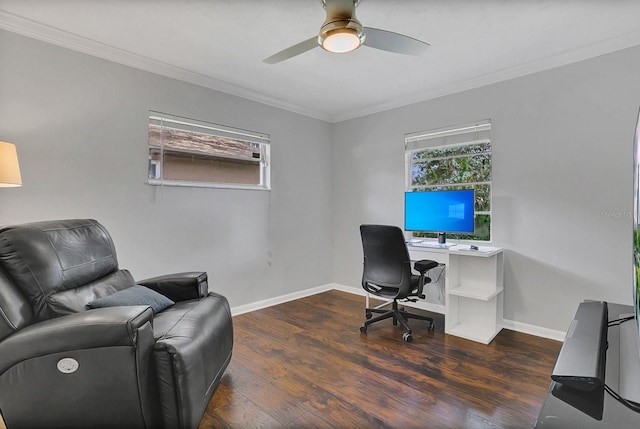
(398, 315)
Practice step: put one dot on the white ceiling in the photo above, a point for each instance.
(220, 44)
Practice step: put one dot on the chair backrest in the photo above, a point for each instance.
(59, 266)
(386, 259)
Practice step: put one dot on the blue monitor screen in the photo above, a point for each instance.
(439, 211)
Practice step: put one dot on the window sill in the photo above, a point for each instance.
(184, 183)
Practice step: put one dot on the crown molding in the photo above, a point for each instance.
(565, 58)
(48, 34)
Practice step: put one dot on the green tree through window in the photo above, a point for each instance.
(454, 158)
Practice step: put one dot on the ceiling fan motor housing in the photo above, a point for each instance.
(341, 31)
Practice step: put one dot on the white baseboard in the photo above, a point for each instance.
(348, 289)
(538, 331)
(507, 324)
(278, 300)
(525, 328)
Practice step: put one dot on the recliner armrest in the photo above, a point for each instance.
(103, 327)
(180, 286)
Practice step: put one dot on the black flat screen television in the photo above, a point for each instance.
(442, 211)
(580, 381)
(636, 227)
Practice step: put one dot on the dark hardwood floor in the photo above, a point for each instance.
(304, 364)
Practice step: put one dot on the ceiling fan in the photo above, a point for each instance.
(342, 32)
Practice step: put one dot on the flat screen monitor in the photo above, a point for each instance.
(449, 211)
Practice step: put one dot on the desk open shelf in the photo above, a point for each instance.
(473, 290)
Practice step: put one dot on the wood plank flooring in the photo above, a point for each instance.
(304, 364)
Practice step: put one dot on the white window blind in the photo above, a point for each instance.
(463, 134)
(189, 152)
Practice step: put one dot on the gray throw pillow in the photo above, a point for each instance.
(135, 295)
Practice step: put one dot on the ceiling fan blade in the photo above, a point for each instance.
(394, 42)
(292, 51)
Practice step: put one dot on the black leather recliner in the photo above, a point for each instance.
(63, 365)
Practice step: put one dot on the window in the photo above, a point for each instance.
(187, 152)
(453, 158)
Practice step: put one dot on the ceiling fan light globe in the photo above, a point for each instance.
(341, 41)
(341, 35)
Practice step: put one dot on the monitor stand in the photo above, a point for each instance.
(442, 241)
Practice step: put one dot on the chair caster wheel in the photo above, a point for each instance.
(368, 315)
(407, 337)
(363, 329)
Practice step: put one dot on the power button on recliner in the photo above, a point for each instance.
(68, 365)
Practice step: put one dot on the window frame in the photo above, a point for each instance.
(236, 135)
(447, 138)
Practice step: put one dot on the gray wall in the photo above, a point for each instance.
(80, 126)
(562, 177)
(562, 181)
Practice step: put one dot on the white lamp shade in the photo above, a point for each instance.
(9, 168)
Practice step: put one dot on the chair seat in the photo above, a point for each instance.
(392, 292)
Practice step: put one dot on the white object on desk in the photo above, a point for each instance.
(473, 289)
(468, 248)
(430, 244)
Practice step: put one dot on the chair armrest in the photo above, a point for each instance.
(180, 286)
(424, 265)
(103, 327)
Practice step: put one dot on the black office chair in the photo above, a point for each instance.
(387, 274)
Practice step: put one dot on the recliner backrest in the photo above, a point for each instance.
(386, 258)
(59, 265)
(15, 311)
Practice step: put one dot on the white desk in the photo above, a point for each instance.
(473, 289)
